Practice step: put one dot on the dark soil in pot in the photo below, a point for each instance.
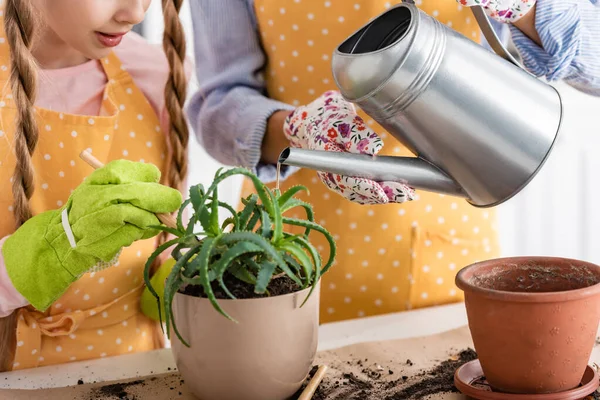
(534, 278)
(242, 290)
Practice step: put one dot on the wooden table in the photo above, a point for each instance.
(333, 335)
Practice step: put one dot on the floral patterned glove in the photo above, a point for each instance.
(502, 10)
(331, 123)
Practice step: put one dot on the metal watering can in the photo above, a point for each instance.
(480, 125)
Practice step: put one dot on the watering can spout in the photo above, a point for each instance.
(414, 172)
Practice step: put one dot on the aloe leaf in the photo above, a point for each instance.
(172, 285)
(260, 187)
(311, 249)
(238, 249)
(201, 264)
(288, 238)
(231, 210)
(265, 274)
(266, 245)
(227, 222)
(253, 220)
(204, 219)
(247, 211)
(242, 274)
(291, 261)
(317, 262)
(176, 252)
(197, 197)
(226, 289)
(214, 212)
(276, 217)
(191, 224)
(252, 264)
(266, 224)
(297, 251)
(316, 227)
(187, 270)
(288, 194)
(195, 281)
(174, 282)
(180, 214)
(292, 203)
(150, 261)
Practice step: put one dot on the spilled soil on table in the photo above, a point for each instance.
(373, 382)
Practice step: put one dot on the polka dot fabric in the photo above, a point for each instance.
(99, 315)
(392, 257)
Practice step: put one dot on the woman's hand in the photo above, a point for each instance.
(331, 123)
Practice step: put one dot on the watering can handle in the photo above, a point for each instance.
(490, 34)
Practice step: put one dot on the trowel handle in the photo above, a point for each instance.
(167, 219)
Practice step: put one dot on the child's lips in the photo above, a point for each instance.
(110, 39)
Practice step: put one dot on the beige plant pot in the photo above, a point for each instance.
(266, 355)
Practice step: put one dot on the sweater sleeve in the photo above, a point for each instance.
(229, 112)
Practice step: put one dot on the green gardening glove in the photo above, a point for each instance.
(111, 209)
(148, 302)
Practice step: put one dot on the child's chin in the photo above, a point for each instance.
(98, 53)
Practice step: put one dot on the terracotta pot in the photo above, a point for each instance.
(267, 354)
(533, 320)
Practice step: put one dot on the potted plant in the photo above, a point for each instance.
(243, 295)
(533, 320)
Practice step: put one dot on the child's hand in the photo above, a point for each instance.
(502, 10)
(114, 207)
(330, 123)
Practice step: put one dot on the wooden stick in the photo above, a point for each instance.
(312, 386)
(167, 219)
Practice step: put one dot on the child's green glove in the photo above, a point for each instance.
(148, 302)
(110, 210)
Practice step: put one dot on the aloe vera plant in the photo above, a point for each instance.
(250, 245)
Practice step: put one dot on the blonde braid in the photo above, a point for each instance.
(19, 25)
(175, 95)
(175, 91)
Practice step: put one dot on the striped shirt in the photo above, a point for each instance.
(230, 111)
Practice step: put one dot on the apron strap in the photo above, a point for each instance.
(112, 65)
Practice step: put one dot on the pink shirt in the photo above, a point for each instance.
(79, 90)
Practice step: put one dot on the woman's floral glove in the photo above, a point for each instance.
(331, 123)
(502, 10)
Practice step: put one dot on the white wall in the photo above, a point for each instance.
(557, 214)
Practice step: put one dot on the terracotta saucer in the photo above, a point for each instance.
(470, 381)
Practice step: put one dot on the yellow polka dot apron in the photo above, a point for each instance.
(390, 257)
(99, 315)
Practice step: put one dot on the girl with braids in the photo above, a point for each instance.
(73, 78)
